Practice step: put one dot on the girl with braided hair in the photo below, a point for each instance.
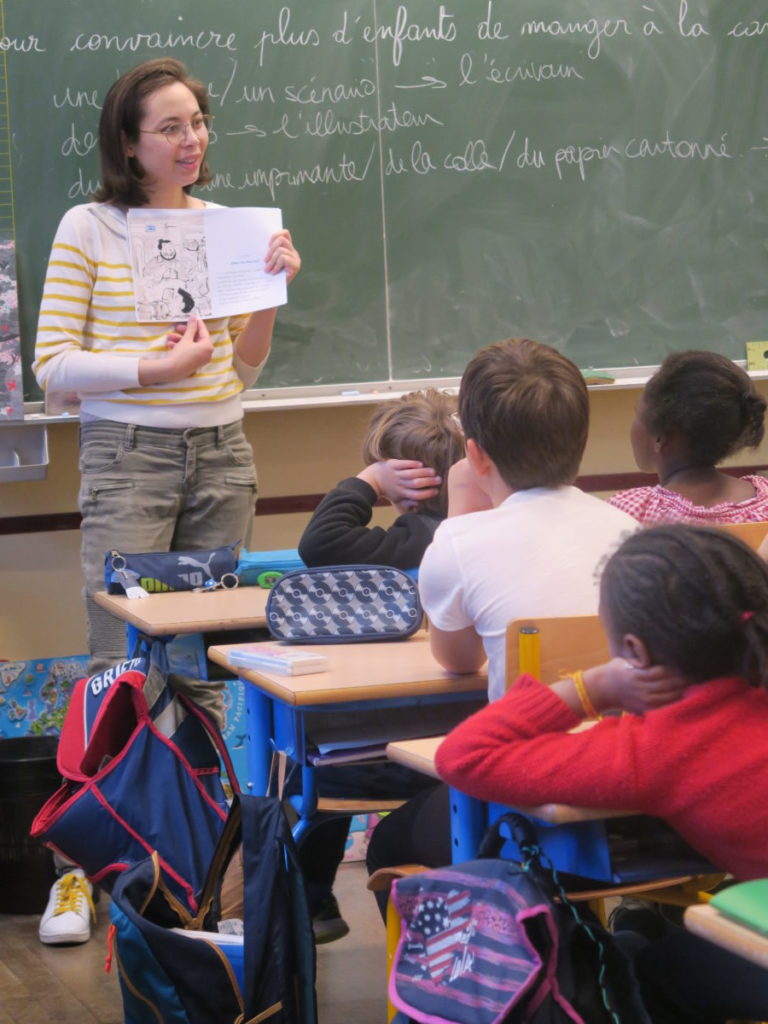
(685, 610)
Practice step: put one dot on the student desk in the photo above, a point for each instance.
(705, 920)
(187, 612)
(574, 838)
(362, 683)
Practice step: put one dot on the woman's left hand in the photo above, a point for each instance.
(281, 255)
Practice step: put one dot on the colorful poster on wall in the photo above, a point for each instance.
(34, 694)
(11, 386)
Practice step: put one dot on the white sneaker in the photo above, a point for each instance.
(68, 915)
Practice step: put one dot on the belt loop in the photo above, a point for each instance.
(130, 436)
(221, 439)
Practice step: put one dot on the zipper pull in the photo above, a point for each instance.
(110, 948)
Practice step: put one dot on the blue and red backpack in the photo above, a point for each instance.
(142, 772)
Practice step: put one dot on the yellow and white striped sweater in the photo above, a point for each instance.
(90, 343)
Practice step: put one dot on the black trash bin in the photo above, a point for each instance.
(28, 776)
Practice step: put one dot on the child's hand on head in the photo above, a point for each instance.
(464, 491)
(403, 482)
(621, 685)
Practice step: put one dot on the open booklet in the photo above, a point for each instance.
(207, 262)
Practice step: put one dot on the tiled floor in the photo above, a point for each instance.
(41, 984)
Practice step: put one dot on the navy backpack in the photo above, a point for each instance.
(176, 968)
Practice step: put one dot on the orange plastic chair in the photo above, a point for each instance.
(752, 534)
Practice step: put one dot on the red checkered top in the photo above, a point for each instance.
(658, 505)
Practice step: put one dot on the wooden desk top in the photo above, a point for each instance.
(190, 612)
(361, 672)
(420, 755)
(416, 754)
(707, 921)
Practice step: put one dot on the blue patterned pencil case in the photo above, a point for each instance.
(343, 604)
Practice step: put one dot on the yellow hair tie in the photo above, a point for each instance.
(589, 708)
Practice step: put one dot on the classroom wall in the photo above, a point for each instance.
(301, 451)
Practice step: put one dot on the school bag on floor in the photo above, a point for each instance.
(484, 942)
(142, 772)
(182, 977)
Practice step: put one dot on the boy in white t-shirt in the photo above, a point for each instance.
(520, 540)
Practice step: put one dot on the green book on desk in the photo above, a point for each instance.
(745, 902)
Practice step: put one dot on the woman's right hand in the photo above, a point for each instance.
(189, 348)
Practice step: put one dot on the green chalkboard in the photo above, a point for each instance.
(591, 173)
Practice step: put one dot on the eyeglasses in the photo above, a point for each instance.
(175, 134)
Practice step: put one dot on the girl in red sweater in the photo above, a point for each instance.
(689, 604)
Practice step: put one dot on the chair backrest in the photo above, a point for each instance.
(752, 534)
(547, 648)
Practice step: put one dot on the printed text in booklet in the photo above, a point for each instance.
(203, 262)
(285, 661)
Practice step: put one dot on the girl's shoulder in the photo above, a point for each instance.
(658, 505)
(636, 502)
(749, 510)
(760, 483)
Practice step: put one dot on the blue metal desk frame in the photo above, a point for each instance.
(578, 847)
(276, 726)
(277, 723)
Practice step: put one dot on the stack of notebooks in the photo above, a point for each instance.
(285, 661)
(745, 903)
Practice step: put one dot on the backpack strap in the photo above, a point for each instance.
(215, 736)
(518, 828)
(160, 694)
(279, 759)
(538, 866)
(275, 903)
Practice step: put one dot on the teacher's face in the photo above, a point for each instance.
(169, 163)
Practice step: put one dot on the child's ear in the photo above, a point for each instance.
(477, 458)
(634, 651)
(661, 443)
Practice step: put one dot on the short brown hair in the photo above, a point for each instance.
(121, 175)
(526, 405)
(421, 425)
